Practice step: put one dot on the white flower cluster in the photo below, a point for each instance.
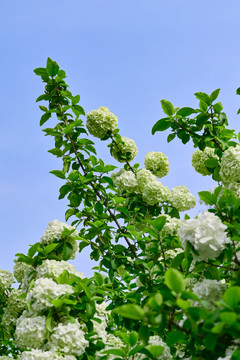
(181, 198)
(43, 289)
(69, 338)
(157, 163)
(15, 306)
(112, 342)
(101, 314)
(230, 164)
(207, 235)
(155, 341)
(127, 147)
(54, 268)
(6, 280)
(209, 290)
(125, 181)
(155, 192)
(233, 186)
(30, 332)
(37, 354)
(21, 270)
(54, 233)
(100, 121)
(171, 226)
(144, 177)
(198, 160)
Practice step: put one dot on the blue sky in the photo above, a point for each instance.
(127, 55)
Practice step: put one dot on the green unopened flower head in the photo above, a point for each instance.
(181, 198)
(230, 164)
(157, 163)
(198, 160)
(125, 150)
(143, 177)
(100, 121)
(155, 192)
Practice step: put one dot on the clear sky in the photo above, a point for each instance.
(127, 55)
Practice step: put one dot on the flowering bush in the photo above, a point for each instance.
(166, 287)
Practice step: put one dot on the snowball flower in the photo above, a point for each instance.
(210, 290)
(100, 121)
(125, 182)
(155, 341)
(21, 270)
(126, 148)
(207, 235)
(171, 226)
(233, 186)
(181, 198)
(44, 355)
(54, 268)
(143, 177)
(68, 338)
(101, 314)
(6, 280)
(45, 288)
(15, 306)
(199, 157)
(230, 164)
(54, 232)
(155, 192)
(111, 342)
(30, 332)
(157, 163)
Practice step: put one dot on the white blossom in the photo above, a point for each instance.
(230, 164)
(68, 338)
(15, 306)
(126, 147)
(209, 290)
(157, 163)
(21, 270)
(143, 177)
(125, 182)
(199, 157)
(30, 332)
(155, 341)
(181, 198)
(155, 192)
(54, 268)
(37, 354)
(207, 235)
(6, 280)
(100, 121)
(171, 226)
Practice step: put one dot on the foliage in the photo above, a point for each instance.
(154, 294)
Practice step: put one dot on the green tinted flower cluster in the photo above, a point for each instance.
(143, 177)
(124, 150)
(125, 181)
(230, 164)
(198, 160)
(157, 163)
(101, 121)
(155, 192)
(6, 280)
(181, 198)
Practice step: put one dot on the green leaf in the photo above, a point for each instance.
(238, 91)
(62, 74)
(203, 106)
(211, 163)
(174, 280)
(201, 119)
(70, 212)
(167, 107)
(155, 350)
(203, 97)
(186, 111)
(228, 318)
(78, 110)
(133, 338)
(99, 207)
(207, 197)
(214, 94)
(118, 352)
(174, 337)
(218, 107)
(45, 118)
(49, 248)
(159, 222)
(67, 251)
(58, 173)
(232, 296)
(40, 71)
(49, 322)
(33, 249)
(170, 137)
(99, 279)
(130, 311)
(52, 67)
(183, 304)
(161, 125)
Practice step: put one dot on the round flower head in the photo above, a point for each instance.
(155, 341)
(233, 186)
(126, 182)
(30, 332)
(171, 226)
(125, 150)
(209, 290)
(157, 163)
(37, 354)
(111, 342)
(230, 164)
(6, 280)
(207, 235)
(54, 233)
(68, 338)
(198, 160)
(143, 177)
(21, 270)
(181, 198)
(100, 121)
(15, 306)
(43, 289)
(54, 268)
(155, 192)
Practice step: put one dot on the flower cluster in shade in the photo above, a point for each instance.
(126, 149)
(156, 341)
(101, 121)
(6, 280)
(54, 232)
(145, 183)
(157, 163)
(206, 233)
(209, 290)
(199, 157)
